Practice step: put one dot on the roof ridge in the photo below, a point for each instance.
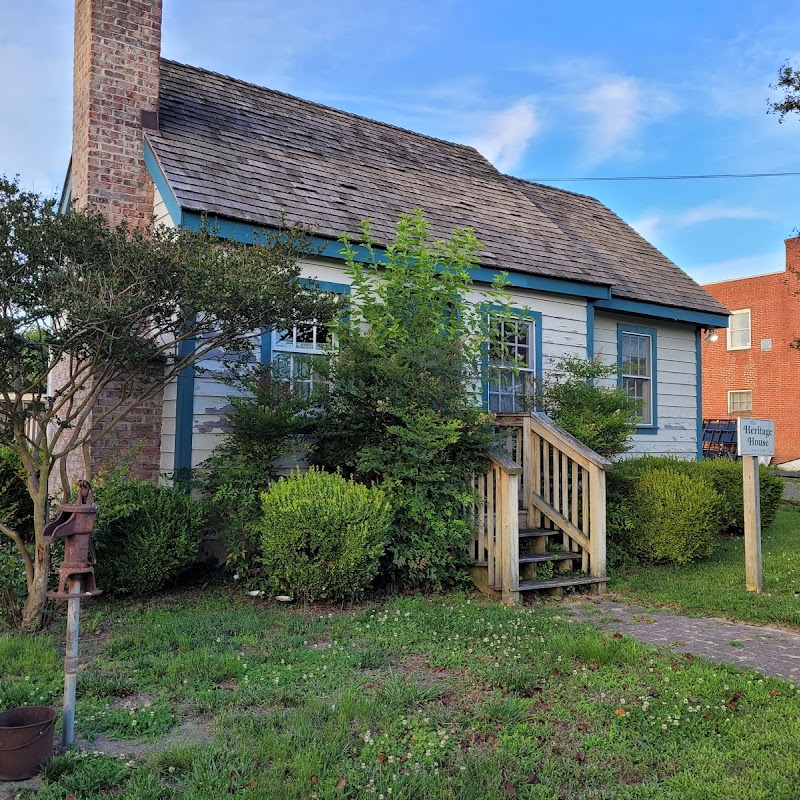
(556, 189)
(334, 109)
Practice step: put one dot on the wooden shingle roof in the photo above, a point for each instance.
(235, 150)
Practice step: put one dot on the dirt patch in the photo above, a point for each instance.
(191, 731)
(133, 702)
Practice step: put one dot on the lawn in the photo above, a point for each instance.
(715, 585)
(443, 697)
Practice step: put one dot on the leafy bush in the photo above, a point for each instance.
(400, 410)
(675, 518)
(322, 535)
(726, 477)
(16, 506)
(602, 417)
(145, 535)
(265, 423)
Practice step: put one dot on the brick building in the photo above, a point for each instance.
(752, 370)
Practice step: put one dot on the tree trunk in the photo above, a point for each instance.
(33, 610)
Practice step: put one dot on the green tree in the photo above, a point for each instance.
(788, 83)
(575, 397)
(402, 407)
(113, 307)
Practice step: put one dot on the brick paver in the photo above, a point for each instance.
(770, 651)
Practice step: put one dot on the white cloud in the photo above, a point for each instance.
(620, 106)
(728, 269)
(653, 224)
(507, 134)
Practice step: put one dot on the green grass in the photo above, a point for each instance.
(444, 697)
(715, 586)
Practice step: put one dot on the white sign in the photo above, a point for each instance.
(755, 437)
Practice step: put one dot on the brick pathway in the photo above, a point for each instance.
(770, 651)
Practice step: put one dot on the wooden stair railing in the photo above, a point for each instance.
(559, 494)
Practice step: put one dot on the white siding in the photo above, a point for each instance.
(160, 212)
(676, 382)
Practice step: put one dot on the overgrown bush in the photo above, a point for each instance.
(675, 517)
(727, 478)
(602, 417)
(401, 410)
(16, 506)
(266, 422)
(145, 535)
(322, 536)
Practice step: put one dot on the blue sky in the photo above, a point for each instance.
(544, 90)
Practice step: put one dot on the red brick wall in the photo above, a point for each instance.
(117, 51)
(773, 376)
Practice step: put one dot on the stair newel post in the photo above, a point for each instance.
(597, 510)
(509, 515)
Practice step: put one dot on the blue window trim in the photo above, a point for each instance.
(698, 350)
(590, 330)
(184, 414)
(623, 328)
(325, 286)
(519, 313)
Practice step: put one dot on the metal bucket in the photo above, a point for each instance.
(26, 741)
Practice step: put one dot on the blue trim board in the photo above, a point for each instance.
(704, 318)
(327, 248)
(623, 328)
(590, 329)
(520, 313)
(167, 195)
(698, 350)
(66, 194)
(184, 413)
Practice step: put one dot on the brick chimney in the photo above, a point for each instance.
(117, 49)
(793, 254)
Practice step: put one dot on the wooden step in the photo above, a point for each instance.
(539, 558)
(557, 583)
(530, 533)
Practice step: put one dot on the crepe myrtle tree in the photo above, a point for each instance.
(86, 307)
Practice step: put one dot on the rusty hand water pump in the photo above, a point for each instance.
(75, 523)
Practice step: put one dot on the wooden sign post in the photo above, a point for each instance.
(755, 437)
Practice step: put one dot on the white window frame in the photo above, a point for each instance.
(292, 351)
(519, 379)
(731, 393)
(649, 378)
(731, 330)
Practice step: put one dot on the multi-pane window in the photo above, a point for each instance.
(739, 330)
(740, 401)
(294, 352)
(512, 366)
(636, 370)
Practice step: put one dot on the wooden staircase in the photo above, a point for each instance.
(540, 515)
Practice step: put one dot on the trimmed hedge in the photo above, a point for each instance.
(676, 517)
(630, 504)
(322, 536)
(145, 536)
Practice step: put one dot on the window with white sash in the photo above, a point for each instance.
(637, 370)
(739, 330)
(512, 366)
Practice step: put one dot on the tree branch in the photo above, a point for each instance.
(23, 551)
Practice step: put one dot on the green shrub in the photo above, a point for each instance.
(726, 477)
(675, 516)
(602, 417)
(16, 506)
(145, 536)
(322, 536)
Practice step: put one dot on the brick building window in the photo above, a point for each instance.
(740, 401)
(739, 330)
